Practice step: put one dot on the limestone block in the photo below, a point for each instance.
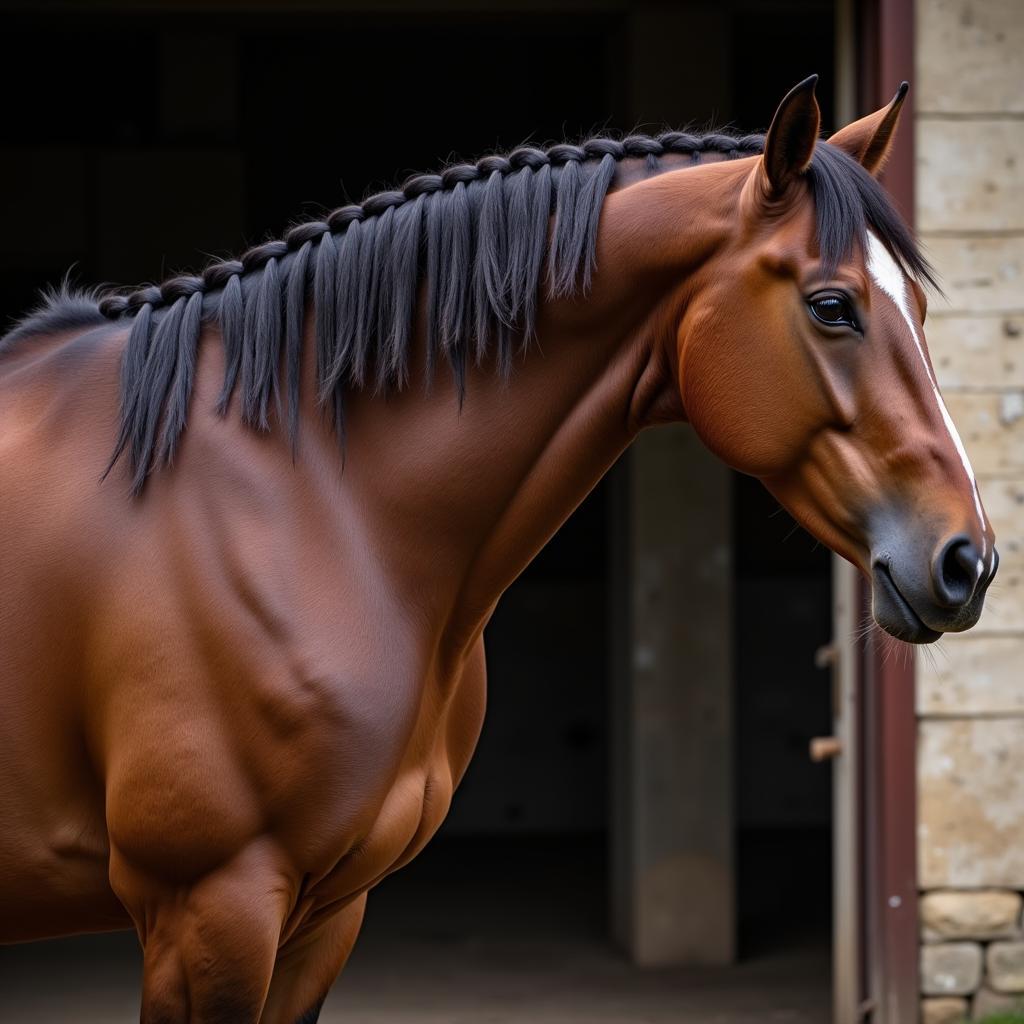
(992, 428)
(978, 275)
(977, 351)
(970, 794)
(1004, 964)
(969, 175)
(982, 914)
(952, 969)
(944, 1010)
(1004, 503)
(968, 55)
(973, 674)
(987, 1002)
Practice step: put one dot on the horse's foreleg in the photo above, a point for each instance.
(209, 946)
(307, 967)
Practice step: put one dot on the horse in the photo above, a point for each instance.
(257, 518)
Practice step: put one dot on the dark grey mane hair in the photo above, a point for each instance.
(474, 237)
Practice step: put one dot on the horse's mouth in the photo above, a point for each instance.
(894, 613)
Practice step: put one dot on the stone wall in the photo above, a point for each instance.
(969, 101)
(972, 960)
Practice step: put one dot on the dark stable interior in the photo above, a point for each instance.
(139, 142)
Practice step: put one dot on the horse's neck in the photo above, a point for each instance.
(471, 495)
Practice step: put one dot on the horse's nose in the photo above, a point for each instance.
(957, 571)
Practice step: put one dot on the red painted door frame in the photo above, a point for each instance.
(889, 756)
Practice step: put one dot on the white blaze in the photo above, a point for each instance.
(891, 279)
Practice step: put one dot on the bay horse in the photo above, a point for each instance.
(256, 520)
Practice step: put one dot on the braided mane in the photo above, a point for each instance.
(474, 238)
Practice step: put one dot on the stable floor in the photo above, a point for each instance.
(475, 932)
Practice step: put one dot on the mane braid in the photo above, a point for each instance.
(295, 320)
(475, 235)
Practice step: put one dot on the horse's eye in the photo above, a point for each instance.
(833, 309)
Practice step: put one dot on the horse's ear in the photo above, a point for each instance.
(789, 145)
(869, 140)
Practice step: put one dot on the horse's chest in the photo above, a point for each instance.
(394, 822)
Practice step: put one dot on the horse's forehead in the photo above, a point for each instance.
(790, 239)
(888, 274)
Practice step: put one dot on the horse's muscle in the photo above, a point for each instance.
(182, 688)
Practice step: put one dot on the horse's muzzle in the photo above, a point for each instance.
(919, 606)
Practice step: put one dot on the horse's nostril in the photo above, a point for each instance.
(957, 571)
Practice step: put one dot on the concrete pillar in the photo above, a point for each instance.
(673, 871)
(672, 822)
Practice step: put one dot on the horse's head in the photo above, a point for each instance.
(802, 361)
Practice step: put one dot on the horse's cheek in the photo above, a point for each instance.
(740, 408)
